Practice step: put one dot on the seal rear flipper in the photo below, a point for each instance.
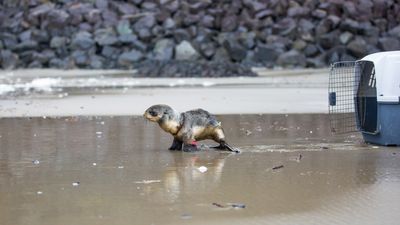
(225, 146)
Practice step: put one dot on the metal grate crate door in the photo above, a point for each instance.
(342, 86)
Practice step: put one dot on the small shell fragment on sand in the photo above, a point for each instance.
(202, 169)
(147, 181)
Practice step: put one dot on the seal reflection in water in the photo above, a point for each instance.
(188, 127)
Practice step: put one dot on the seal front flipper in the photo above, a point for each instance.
(176, 145)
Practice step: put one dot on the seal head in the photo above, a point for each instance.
(165, 116)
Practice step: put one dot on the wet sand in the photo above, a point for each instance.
(126, 174)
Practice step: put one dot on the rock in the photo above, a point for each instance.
(172, 6)
(358, 47)
(41, 10)
(328, 40)
(299, 44)
(58, 42)
(266, 53)
(144, 34)
(127, 38)
(123, 8)
(26, 45)
(149, 6)
(169, 24)
(96, 62)
(93, 17)
(199, 6)
(41, 36)
(291, 58)
(207, 50)
(248, 39)
(254, 5)
(345, 37)
(35, 65)
(124, 27)
(351, 26)
(25, 36)
(126, 59)
(164, 49)
(236, 52)
(181, 35)
(367, 29)
(59, 63)
(8, 59)
(57, 17)
(82, 40)
(185, 51)
(319, 13)
(395, 32)
(389, 43)
(207, 21)
(9, 40)
(137, 2)
(44, 56)
(310, 50)
(285, 27)
(80, 58)
(264, 13)
(323, 27)
(110, 52)
(110, 18)
(145, 22)
(101, 4)
(105, 37)
(298, 11)
(229, 23)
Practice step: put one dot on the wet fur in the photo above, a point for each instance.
(186, 127)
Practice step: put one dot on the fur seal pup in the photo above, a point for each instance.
(188, 127)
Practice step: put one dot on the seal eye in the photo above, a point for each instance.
(153, 113)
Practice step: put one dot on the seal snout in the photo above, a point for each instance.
(153, 114)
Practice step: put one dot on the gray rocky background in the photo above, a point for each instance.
(193, 37)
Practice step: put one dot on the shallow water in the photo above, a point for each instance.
(117, 170)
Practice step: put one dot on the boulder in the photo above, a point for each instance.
(292, 58)
(82, 40)
(229, 23)
(57, 17)
(266, 53)
(389, 43)
(164, 49)
(358, 47)
(126, 59)
(185, 51)
(80, 58)
(105, 37)
(8, 59)
(236, 52)
(248, 39)
(58, 42)
(124, 27)
(345, 37)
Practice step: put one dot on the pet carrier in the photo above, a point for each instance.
(365, 95)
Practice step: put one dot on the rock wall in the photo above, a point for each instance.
(122, 34)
